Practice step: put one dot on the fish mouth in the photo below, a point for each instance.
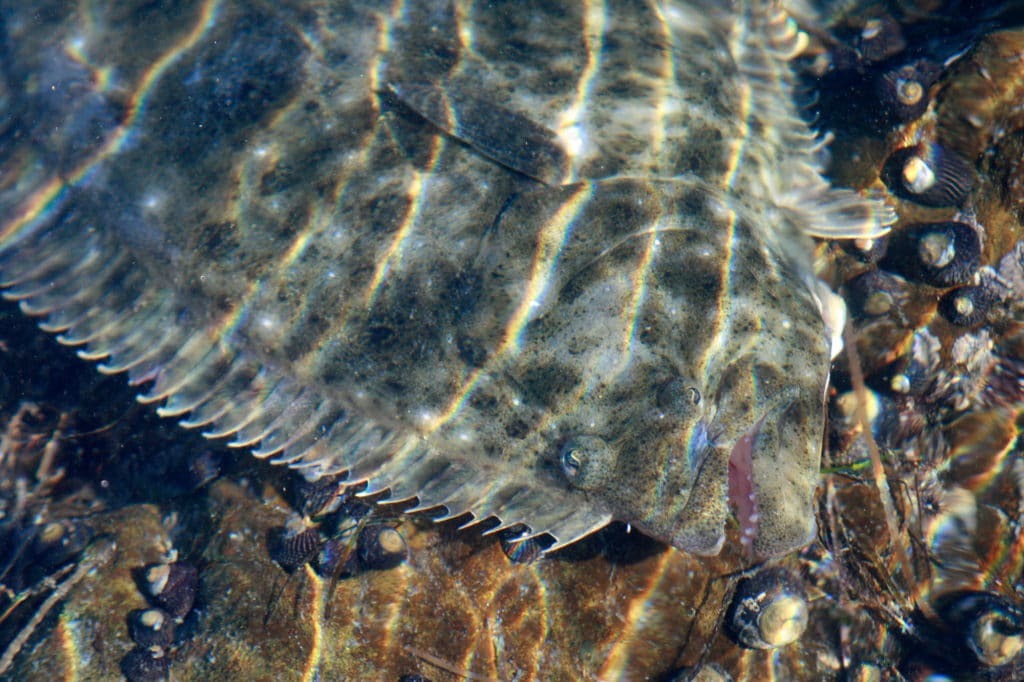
(742, 494)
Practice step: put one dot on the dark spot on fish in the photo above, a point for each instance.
(379, 336)
(250, 67)
(543, 385)
(517, 429)
(471, 351)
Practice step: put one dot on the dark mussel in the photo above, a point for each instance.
(380, 547)
(145, 665)
(903, 92)
(866, 250)
(929, 174)
(983, 629)
(876, 293)
(320, 497)
(58, 543)
(943, 254)
(520, 548)
(768, 610)
(151, 628)
(173, 587)
(879, 39)
(966, 306)
(292, 550)
(914, 373)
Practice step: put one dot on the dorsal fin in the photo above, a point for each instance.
(765, 40)
(207, 380)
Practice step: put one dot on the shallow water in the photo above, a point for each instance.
(895, 589)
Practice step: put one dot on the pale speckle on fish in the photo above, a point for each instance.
(440, 245)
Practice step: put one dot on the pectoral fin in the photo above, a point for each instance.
(508, 137)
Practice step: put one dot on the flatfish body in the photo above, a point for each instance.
(541, 262)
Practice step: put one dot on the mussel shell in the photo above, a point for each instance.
(151, 628)
(337, 558)
(320, 497)
(58, 542)
(903, 377)
(381, 547)
(205, 467)
(882, 412)
(768, 610)
(879, 39)
(929, 174)
(292, 550)
(172, 587)
(943, 254)
(145, 665)
(966, 306)
(875, 293)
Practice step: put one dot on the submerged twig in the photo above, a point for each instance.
(877, 469)
(96, 555)
(439, 662)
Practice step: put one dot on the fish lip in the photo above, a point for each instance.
(742, 491)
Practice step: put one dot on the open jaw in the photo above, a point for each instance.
(742, 495)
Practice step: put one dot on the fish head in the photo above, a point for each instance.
(747, 444)
(755, 453)
(714, 407)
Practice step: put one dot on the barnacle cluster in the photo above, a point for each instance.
(337, 533)
(923, 489)
(170, 586)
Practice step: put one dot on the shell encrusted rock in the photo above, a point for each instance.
(436, 246)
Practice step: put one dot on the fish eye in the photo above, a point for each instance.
(587, 461)
(678, 397)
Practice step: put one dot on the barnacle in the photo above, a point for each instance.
(929, 174)
(966, 306)
(769, 610)
(173, 587)
(942, 254)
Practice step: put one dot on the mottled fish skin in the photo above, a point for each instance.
(545, 262)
